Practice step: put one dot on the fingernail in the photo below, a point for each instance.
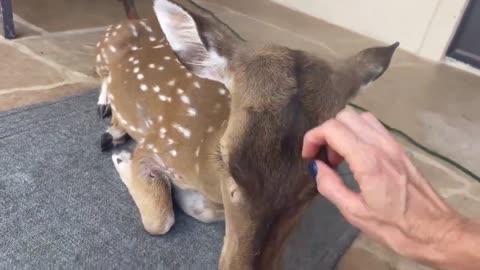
(312, 167)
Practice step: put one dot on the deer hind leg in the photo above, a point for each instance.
(113, 136)
(103, 103)
(150, 187)
(196, 205)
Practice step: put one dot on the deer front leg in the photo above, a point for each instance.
(113, 136)
(196, 205)
(103, 103)
(149, 187)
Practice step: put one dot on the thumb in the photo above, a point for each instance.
(331, 186)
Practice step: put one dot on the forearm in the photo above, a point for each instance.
(460, 250)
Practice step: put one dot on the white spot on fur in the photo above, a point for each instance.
(140, 76)
(189, 74)
(163, 97)
(131, 58)
(152, 39)
(143, 87)
(160, 68)
(109, 79)
(170, 141)
(155, 150)
(136, 70)
(99, 58)
(158, 46)
(148, 28)
(156, 88)
(180, 91)
(191, 111)
(98, 44)
(185, 99)
(171, 83)
(136, 62)
(134, 30)
(132, 128)
(196, 84)
(222, 91)
(135, 48)
(163, 131)
(185, 131)
(150, 146)
(118, 26)
(197, 152)
(173, 152)
(160, 118)
(210, 129)
(151, 65)
(114, 33)
(167, 58)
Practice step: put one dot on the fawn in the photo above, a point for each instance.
(221, 129)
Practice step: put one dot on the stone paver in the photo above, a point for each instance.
(20, 70)
(435, 104)
(361, 259)
(75, 51)
(61, 15)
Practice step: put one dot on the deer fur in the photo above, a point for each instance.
(238, 156)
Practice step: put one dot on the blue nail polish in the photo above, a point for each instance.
(312, 167)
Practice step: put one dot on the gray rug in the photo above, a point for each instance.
(63, 206)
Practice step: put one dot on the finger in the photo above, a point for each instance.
(361, 128)
(333, 157)
(331, 186)
(332, 133)
(374, 122)
(341, 139)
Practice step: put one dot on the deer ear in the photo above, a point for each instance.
(201, 41)
(371, 63)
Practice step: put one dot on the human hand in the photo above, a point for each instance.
(396, 205)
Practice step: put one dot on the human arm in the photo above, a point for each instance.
(396, 205)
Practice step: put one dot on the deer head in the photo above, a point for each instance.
(277, 95)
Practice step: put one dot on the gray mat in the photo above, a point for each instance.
(63, 206)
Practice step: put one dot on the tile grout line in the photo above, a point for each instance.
(29, 24)
(66, 33)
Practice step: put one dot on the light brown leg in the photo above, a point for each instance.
(149, 187)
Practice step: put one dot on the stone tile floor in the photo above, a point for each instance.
(435, 104)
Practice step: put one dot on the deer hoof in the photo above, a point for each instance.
(106, 141)
(104, 111)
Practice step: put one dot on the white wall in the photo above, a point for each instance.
(423, 27)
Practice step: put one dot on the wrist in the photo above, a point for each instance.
(456, 249)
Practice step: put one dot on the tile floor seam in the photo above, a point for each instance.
(29, 24)
(64, 33)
